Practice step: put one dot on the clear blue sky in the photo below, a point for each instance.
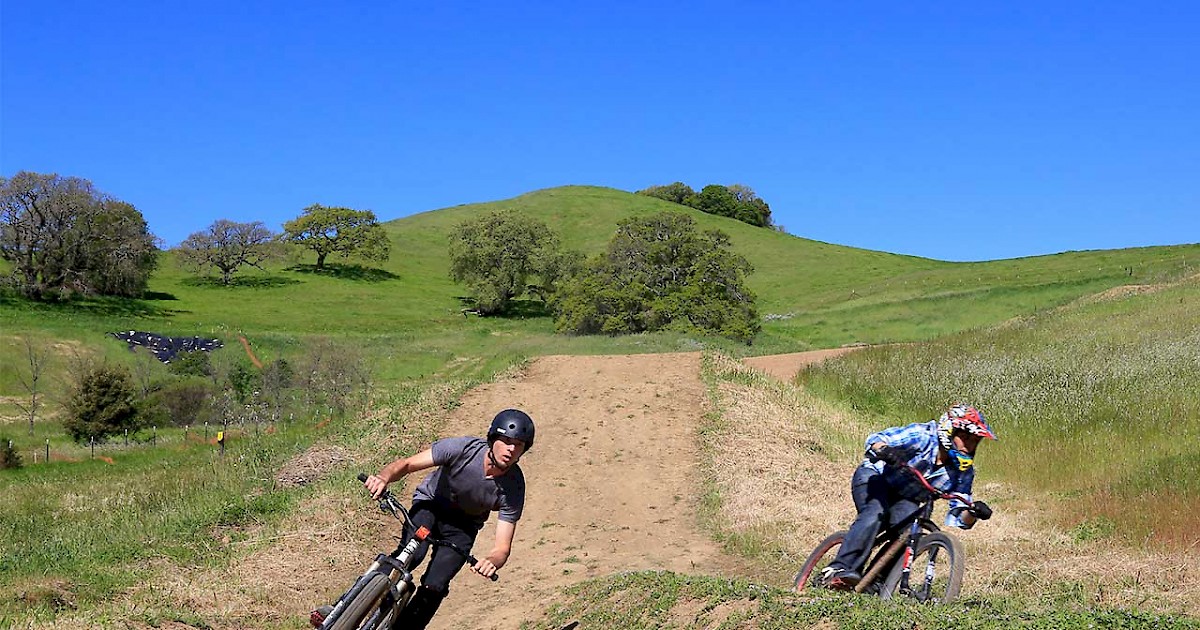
(952, 130)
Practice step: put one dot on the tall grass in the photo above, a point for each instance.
(92, 527)
(1099, 402)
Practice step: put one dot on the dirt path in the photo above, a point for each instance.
(612, 482)
(785, 367)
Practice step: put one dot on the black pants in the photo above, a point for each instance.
(448, 525)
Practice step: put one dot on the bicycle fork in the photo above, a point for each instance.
(397, 574)
(910, 550)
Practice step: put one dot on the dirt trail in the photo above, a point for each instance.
(785, 367)
(612, 480)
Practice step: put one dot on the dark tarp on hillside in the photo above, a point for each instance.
(165, 348)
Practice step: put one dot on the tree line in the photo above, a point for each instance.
(737, 201)
(64, 238)
(658, 272)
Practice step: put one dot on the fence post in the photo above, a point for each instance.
(206, 430)
(154, 439)
(126, 437)
(47, 450)
(93, 447)
(187, 428)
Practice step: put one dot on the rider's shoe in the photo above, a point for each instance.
(839, 579)
(318, 616)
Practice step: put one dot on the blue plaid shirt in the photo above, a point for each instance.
(922, 439)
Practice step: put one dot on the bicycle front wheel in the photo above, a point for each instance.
(363, 610)
(810, 571)
(936, 571)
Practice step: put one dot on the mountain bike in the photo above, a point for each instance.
(381, 593)
(915, 544)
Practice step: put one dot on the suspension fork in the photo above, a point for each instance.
(910, 549)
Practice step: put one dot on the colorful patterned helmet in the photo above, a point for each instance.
(962, 418)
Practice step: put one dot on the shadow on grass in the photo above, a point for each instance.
(254, 282)
(98, 306)
(517, 309)
(158, 296)
(357, 273)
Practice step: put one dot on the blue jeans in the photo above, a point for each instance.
(879, 506)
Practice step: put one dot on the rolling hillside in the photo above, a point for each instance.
(215, 526)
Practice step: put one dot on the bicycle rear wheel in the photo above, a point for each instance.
(936, 572)
(362, 611)
(820, 558)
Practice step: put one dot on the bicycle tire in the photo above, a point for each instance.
(364, 604)
(820, 558)
(949, 570)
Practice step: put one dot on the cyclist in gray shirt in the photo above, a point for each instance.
(474, 478)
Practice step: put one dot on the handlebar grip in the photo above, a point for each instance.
(472, 560)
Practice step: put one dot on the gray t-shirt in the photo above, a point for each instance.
(459, 482)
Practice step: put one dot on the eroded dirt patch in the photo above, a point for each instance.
(311, 465)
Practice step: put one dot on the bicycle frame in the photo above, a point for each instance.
(923, 520)
(396, 566)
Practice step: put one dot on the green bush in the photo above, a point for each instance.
(9, 457)
(194, 363)
(181, 402)
(659, 272)
(102, 404)
(245, 381)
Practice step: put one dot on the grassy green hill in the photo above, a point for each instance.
(407, 316)
(813, 294)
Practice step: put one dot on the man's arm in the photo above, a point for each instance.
(376, 484)
(499, 555)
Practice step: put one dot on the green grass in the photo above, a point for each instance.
(1099, 402)
(94, 526)
(406, 318)
(668, 600)
(408, 311)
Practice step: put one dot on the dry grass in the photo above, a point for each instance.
(782, 461)
(775, 465)
(277, 574)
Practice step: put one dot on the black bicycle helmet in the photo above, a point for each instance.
(512, 423)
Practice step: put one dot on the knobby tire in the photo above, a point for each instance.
(820, 557)
(361, 608)
(952, 561)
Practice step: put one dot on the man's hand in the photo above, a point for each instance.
(893, 455)
(485, 568)
(981, 510)
(375, 485)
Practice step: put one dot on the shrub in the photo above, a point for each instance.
(193, 363)
(102, 404)
(9, 457)
(245, 382)
(659, 272)
(333, 374)
(181, 402)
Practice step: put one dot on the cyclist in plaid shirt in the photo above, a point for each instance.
(885, 494)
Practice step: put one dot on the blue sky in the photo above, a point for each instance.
(957, 131)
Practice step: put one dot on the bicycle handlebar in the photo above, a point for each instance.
(388, 503)
(928, 486)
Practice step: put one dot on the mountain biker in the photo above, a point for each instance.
(474, 478)
(885, 494)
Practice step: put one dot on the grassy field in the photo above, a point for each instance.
(1097, 404)
(406, 317)
(648, 600)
